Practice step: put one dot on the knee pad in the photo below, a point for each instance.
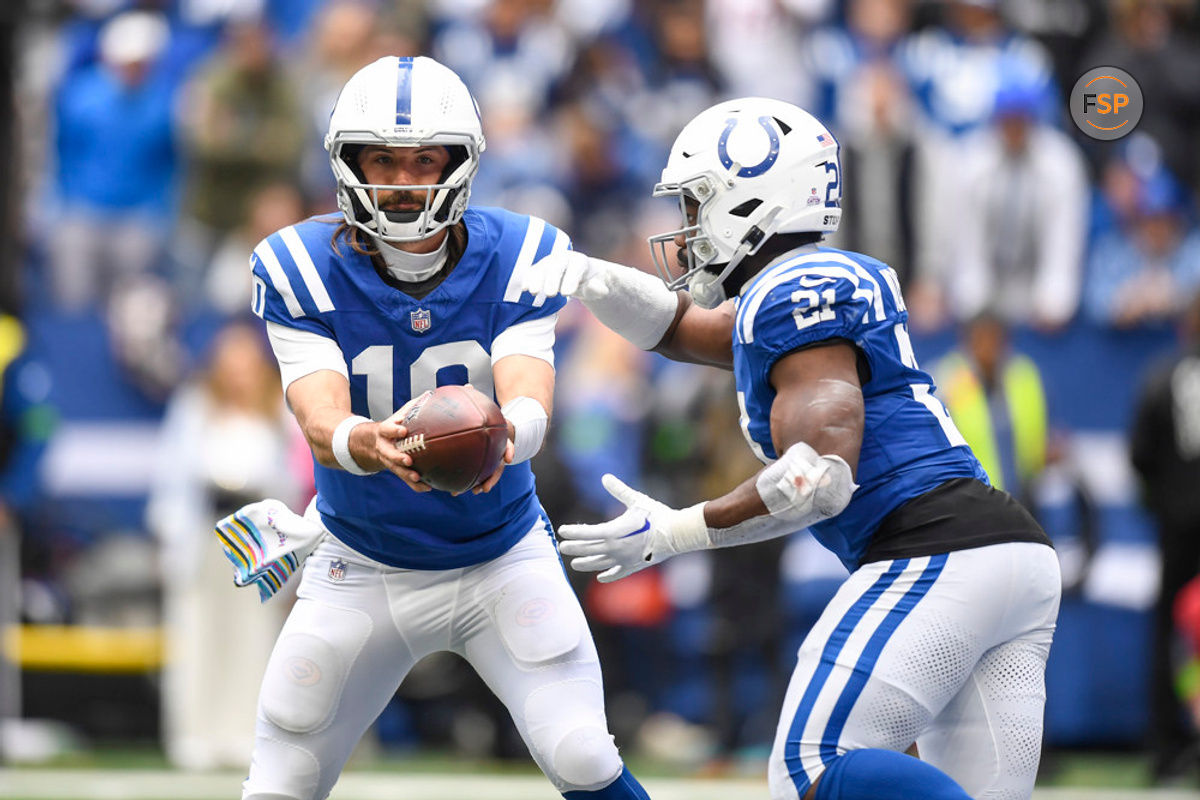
(538, 618)
(565, 727)
(309, 666)
(586, 758)
(282, 771)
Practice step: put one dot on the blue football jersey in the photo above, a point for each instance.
(395, 348)
(910, 445)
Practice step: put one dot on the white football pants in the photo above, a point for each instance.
(948, 651)
(359, 627)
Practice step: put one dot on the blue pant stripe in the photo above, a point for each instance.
(870, 655)
(837, 640)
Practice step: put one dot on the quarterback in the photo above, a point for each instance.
(939, 636)
(406, 289)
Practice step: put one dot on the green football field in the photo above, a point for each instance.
(136, 776)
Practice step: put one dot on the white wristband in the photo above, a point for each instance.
(688, 531)
(529, 426)
(341, 445)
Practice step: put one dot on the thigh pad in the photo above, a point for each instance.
(308, 668)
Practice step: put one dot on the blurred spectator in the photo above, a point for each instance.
(864, 93)
(1145, 39)
(144, 321)
(244, 129)
(523, 155)
(1143, 273)
(1165, 450)
(680, 74)
(753, 46)
(954, 72)
(116, 163)
(956, 69)
(1119, 184)
(599, 180)
(996, 400)
(843, 60)
(1022, 221)
(269, 208)
(509, 40)
(226, 440)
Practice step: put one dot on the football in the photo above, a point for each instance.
(456, 437)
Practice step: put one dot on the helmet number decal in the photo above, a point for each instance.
(762, 166)
(833, 192)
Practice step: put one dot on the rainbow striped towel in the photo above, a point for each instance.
(266, 542)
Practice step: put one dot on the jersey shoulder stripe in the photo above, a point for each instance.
(265, 255)
(308, 271)
(537, 240)
(849, 280)
(540, 240)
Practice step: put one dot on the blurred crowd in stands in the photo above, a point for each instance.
(160, 140)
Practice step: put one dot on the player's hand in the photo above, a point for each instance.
(566, 272)
(647, 533)
(387, 435)
(494, 478)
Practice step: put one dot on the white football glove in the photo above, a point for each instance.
(647, 533)
(566, 272)
(633, 303)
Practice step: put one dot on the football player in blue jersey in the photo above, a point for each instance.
(940, 634)
(407, 288)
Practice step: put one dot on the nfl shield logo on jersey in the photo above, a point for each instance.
(337, 570)
(420, 320)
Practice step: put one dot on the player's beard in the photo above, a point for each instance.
(403, 206)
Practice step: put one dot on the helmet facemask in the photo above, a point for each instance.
(703, 275)
(445, 201)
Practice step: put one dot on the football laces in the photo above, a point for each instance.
(411, 444)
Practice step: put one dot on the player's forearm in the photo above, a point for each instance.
(525, 391)
(320, 401)
(699, 336)
(319, 426)
(800, 489)
(742, 504)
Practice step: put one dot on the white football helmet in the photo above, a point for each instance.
(753, 167)
(404, 102)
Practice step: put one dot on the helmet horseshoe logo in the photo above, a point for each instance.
(760, 167)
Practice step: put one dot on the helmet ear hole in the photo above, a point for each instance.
(458, 155)
(746, 208)
(349, 155)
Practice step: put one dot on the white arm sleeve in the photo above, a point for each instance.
(301, 353)
(800, 489)
(635, 304)
(533, 338)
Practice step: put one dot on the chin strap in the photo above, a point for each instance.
(710, 292)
